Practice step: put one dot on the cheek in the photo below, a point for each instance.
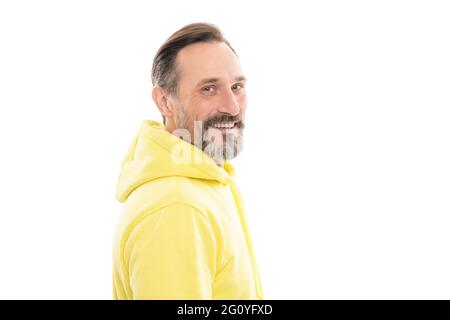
(243, 103)
(204, 107)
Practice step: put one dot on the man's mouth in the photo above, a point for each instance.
(225, 126)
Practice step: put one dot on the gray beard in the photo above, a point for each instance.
(224, 149)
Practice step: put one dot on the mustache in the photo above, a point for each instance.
(224, 118)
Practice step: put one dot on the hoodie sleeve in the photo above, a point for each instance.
(171, 254)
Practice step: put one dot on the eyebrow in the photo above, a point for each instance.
(214, 80)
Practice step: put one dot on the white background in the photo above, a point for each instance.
(345, 171)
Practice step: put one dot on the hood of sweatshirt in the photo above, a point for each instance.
(156, 153)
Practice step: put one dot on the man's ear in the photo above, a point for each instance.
(160, 97)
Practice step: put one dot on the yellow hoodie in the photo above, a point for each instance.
(182, 233)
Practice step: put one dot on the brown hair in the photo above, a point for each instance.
(164, 71)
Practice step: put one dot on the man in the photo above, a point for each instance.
(183, 232)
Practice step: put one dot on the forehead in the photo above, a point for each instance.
(207, 60)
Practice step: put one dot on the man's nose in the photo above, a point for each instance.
(230, 104)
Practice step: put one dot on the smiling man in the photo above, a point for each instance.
(183, 232)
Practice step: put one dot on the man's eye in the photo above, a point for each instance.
(238, 86)
(208, 89)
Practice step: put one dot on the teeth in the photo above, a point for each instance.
(224, 125)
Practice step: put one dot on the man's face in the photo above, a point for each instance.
(211, 98)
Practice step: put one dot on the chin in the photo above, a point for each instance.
(220, 151)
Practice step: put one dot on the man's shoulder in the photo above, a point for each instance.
(203, 195)
(176, 189)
